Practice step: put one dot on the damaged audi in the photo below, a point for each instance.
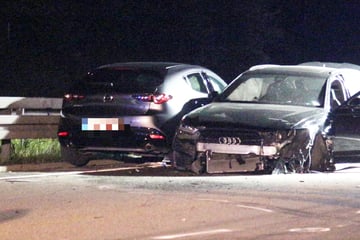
(271, 119)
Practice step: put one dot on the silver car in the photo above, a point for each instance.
(131, 109)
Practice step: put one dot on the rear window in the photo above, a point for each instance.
(120, 81)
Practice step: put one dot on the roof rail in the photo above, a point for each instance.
(331, 65)
(261, 66)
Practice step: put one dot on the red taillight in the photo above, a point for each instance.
(155, 98)
(73, 97)
(63, 134)
(161, 98)
(157, 136)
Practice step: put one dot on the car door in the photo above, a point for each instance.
(346, 128)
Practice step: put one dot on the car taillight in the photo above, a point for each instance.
(155, 98)
(63, 134)
(157, 136)
(161, 98)
(73, 97)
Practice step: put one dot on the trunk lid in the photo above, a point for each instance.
(113, 92)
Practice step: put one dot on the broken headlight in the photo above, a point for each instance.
(187, 132)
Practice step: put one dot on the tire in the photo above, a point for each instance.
(73, 156)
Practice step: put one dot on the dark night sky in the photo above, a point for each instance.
(49, 43)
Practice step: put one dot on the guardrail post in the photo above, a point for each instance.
(5, 150)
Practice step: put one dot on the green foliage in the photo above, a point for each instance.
(34, 151)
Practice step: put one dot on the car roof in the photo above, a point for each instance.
(293, 68)
(332, 65)
(306, 68)
(163, 67)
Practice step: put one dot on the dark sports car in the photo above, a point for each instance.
(274, 119)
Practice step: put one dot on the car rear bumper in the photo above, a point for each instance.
(141, 148)
(131, 139)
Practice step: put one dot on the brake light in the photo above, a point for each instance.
(73, 97)
(155, 98)
(157, 136)
(161, 98)
(63, 134)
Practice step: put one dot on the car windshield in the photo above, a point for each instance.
(119, 80)
(277, 89)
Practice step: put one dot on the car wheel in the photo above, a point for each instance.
(74, 157)
(319, 154)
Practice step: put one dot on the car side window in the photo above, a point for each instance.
(337, 96)
(216, 83)
(196, 82)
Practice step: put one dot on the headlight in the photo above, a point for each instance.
(187, 132)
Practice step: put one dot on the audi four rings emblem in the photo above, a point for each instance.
(230, 140)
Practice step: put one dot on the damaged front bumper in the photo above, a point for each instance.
(221, 158)
(237, 149)
(290, 151)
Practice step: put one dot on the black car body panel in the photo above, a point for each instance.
(131, 108)
(346, 129)
(266, 120)
(265, 116)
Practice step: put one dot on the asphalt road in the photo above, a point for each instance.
(152, 202)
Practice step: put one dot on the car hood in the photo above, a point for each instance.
(266, 116)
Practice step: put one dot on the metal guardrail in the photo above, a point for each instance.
(22, 118)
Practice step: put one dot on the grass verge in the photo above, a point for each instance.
(34, 151)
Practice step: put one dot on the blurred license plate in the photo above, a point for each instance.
(102, 124)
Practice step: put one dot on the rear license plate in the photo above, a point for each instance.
(102, 124)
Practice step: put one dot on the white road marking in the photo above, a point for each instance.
(214, 200)
(193, 234)
(38, 175)
(112, 169)
(255, 208)
(309, 230)
(358, 212)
